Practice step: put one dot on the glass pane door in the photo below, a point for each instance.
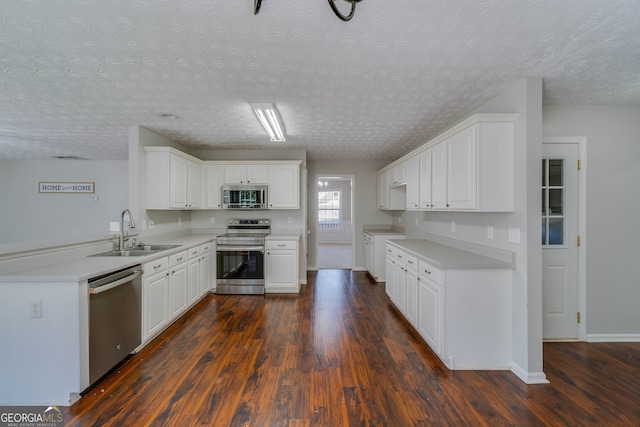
(553, 193)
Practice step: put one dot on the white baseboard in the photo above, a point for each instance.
(613, 338)
(529, 377)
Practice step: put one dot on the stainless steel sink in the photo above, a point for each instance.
(138, 250)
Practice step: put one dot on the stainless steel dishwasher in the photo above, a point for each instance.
(115, 315)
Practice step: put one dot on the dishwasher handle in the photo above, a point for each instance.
(111, 285)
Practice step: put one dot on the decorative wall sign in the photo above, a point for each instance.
(67, 187)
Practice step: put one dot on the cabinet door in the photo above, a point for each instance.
(194, 280)
(399, 283)
(155, 304)
(256, 174)
(411, 296)
(213, 186)
(178, 284)
(425, 180)
(235, 174)
(390, 273)
(178, 183)
(413, 183)
(368, 256)
(281, 270)
(206, 273)
(194, 187)
(284, 187)
(430, 317)
(383, 190)
(462, 170)
(439, 176)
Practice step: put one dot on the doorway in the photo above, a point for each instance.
(334, 225)
(563, 239)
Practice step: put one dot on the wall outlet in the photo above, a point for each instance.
(35, 308)
(453, 226)
(212, 220)
(416, 221)
(114, 226)
(490, 232)
(151, 224)
(179, 221)
(514, 235)
(289, 220)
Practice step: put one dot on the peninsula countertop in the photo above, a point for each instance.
(447, 257)
(83, 268)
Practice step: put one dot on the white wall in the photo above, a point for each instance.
(613, 203)
(525, 98)
(30, 216)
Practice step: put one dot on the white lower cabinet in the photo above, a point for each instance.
(411, 290)
(462, 313)
(178, 284)
(390, 271)
(173, 284)
(206, 268)
(399, 282)
(194, 275)
(430, 302)
(155, 298)
(374, 243)
(281, 269)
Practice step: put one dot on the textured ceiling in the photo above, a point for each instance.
(75, 74)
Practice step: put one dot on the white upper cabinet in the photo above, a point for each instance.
(212, 188)
(284, 186)
(462, 170)
(399, 175)
(413, 183)
(439, 177)
(390, 196)
(425, 180)
(245, 174)
(467, 168)
(173, 179)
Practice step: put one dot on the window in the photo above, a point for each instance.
(329, 209)
(553, 202)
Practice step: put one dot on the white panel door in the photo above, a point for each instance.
(559, 234)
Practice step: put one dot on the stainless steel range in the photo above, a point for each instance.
(240, 257)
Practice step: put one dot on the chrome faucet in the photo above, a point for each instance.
(132, 224)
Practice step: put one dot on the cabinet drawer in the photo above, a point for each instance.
(429, 271)
(156, 266)
(368, 238)
(401, 256)
(412, 262)
(178, 258)
(205, 248)
(391, 251)
(194, 252)
(281, 244)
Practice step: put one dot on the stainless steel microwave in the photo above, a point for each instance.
(244, 197)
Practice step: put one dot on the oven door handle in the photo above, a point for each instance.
(240, 248)
(106, 287)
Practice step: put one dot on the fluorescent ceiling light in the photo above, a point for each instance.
(270, 119)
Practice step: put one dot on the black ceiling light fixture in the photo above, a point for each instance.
(339, 14)
(258, 3)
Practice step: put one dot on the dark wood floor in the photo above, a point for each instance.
(338, 354)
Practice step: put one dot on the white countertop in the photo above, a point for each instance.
(383, 232)
(447, 257)
(78, 269)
